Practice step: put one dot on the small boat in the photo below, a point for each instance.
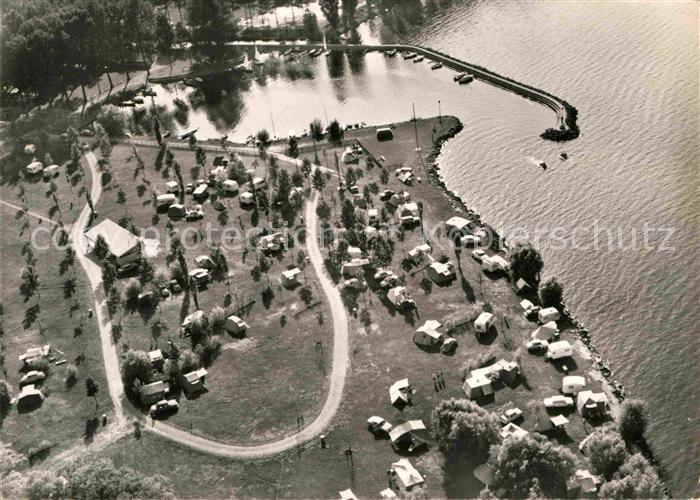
(291, 133)
(465, 79)
(316, 52)
(417, 59)
(563, 156)
(543, 165)
(436, 65)
(275, 138)
(458, 76)
(390, 53)
(409, 55)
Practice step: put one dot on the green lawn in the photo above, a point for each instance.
(245, 402)
(62, 419)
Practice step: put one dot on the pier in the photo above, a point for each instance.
(566, 127)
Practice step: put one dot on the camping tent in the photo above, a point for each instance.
(399, 391)
(428, 335)
(546, 331)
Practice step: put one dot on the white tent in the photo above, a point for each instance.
(399, 391)
(428, 335)
(546, 331)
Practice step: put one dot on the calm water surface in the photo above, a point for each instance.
(631, 69)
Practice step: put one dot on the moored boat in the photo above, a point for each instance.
(390, 53)
(458, 76)
(465, 79)
(418, 59)
(436, 65)
(409, 55)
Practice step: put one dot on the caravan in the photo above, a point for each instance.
(558, 350)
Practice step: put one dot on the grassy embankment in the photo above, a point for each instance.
(384, 353)
(65, 417)
(262, 382)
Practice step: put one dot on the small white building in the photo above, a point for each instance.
(29, 396)
(246, 198)
(229, 186)
(259, 183)
(511, 429)
(372, 216)
(418, 253)
(399, 297)
(165, 200)
(428, 334)
(483, 322)
(409, 213)
(548, 314)
(558, 350)
(172, 187)
(573, 384)
(441, 273)
(354, 266)
(494, 263)
(35, 167)
(290, 277)
(235, 325)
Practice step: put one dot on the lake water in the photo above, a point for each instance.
(631, 69)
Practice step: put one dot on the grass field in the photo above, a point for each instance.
(65, 417)
(246, 401)
(380, 355)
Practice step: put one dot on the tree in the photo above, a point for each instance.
(109, 274)
(520, 464)
(316, 130)
(551, 293)
(384, 177)
(347, 214)
(633, 420)
(329, 8)
(293, 147)
(136, 365)
(133, 290)
(525, 263)
(165, 35)
(335, 132)
(91, 390)
(263, 137)
(311, 28)
(323, 210)
(114, 300)
(100, 248)
(306, 295)
(606, 451)
(319, 181)
(212, 22)
(459, 425)
(349, 7)
(635, 479)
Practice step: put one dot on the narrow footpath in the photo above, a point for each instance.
(111, 361)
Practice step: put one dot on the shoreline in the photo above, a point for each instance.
(612, 387)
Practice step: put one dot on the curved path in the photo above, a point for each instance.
(116, 389)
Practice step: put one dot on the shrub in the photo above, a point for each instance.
(633, 420)
(551, 293)
(71, 375)
(208, 350)
(218, 319)
(189, 361)
(306, 295)
(112, 120)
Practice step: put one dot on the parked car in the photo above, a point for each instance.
(127, 269)
(478, 255)
(537, 345)
(511, 415)
(381, 274)
(390, 280)
(189, 188)
(163, 407)
(378, 424)
(32, 377)
(558, 402)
